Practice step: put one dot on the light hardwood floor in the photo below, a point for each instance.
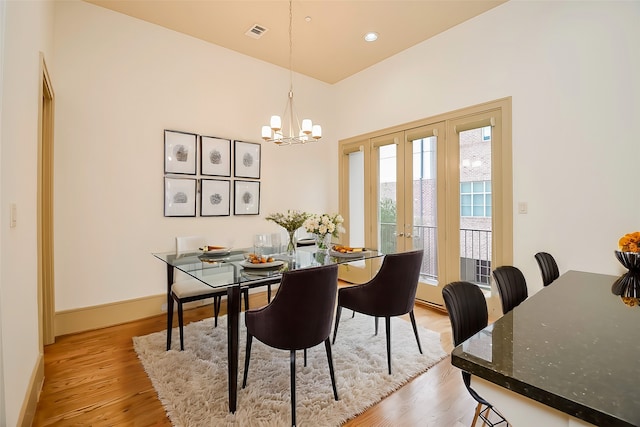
(94, 379)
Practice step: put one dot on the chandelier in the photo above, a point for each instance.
(297, 133)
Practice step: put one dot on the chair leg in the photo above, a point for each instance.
(305, 357)
(169, 321)
(181, 324)
(387, 322)
(335, 329)
(415, 329)
(268, 293)
(245, 292)
(247, 356)
(216, 310)
(327, 346)
(293, 387)
(476, 414)
(353, 314)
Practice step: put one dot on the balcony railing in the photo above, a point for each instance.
(475, 251)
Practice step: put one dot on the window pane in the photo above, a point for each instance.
(465, 187)
(478, 187)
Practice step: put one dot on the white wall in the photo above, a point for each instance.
(119, 83)
(573, 70)
(27, 32)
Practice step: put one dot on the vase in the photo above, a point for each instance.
(323, 242)
(291, 245)
(627, 286)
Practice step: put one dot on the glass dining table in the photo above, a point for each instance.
(231, 270)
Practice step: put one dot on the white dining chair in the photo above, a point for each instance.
(186, 289)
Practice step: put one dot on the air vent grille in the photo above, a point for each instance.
(256, 31)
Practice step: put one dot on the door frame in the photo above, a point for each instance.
(502, 246)
(46, 302)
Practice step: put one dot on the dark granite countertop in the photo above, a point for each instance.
(573, 346)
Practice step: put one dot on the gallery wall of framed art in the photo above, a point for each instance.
(210, 191)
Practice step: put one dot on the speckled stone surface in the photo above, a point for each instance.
(573, 346)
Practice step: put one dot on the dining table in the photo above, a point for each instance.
(567, 356)
(231, 269)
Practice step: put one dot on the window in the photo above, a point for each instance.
(483, 271)
(475, 198)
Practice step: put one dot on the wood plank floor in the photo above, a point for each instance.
(94, 379)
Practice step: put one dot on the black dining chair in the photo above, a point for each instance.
(299, 317)
(186, 289)
(391, 292)
(548, 267)
(467, 309)
(512, 287)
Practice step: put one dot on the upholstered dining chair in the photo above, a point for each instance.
(512, 286)
(467, 309)
(548, 267)
(187, 289)
(299, 317)
(391, 292)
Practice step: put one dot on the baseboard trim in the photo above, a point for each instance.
(105, 315)
(30, 404)
(117, 313)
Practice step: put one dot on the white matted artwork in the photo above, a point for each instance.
(180, 152)
(247, 197)
(179, 197)
(215, 158)
(247, 159)
(215, 197)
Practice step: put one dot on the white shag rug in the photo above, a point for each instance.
(192, 384)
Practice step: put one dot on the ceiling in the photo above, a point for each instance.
(330, 47)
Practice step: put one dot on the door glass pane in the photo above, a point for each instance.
(475, 206)
(387, 199)
(356, 199)
(424, 206)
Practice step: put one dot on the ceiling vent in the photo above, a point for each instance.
(256, 31)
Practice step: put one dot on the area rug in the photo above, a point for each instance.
(192, 384)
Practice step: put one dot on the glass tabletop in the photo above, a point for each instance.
(232, 267)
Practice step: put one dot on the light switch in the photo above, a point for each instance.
(14, 215)
(522, 208)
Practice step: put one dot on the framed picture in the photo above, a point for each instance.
(247, 159)
(180, 152)
(215, 157)
(215, 197)
(179, 196)
(247, 197)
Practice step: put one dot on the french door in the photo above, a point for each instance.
(434, 186)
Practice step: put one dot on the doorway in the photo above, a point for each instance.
(46, 303)
(442, 185)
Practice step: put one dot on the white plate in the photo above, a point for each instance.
(346, 254)
(306, 242)
(221, 251)
(276, 263)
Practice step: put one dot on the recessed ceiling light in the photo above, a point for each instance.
(371, 37)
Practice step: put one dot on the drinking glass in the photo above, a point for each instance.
(276, 243)
(260, 241)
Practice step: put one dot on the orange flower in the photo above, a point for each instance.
(630, 242)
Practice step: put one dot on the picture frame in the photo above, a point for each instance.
(215, 197)
(180, 197)
(247, 197)
(180, 152)
(247, 159)
(215, 156)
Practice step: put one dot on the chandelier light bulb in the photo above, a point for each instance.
(306, 126)
(276, 123)
(266, 132)
(316, 132)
